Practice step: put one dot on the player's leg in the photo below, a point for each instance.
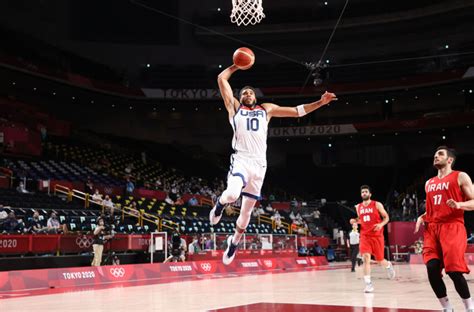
(434, 266)
(365, 248)
(242, 222)
(453, 243)
(255, 171)
(378, 252)
(235, 183)
(366, 268)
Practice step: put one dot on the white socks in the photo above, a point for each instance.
(244, 218)
(367, 279)
(468, 303)
(445, 303)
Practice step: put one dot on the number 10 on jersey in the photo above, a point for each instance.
(252, 124)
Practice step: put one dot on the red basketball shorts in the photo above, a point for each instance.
(446, 242)
(373, 245)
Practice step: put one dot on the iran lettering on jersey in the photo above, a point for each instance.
(369, 216)
(438, 191)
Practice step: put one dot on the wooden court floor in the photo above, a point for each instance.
(317, 290)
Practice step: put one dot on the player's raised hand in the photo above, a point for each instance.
(453, 204)
(419, 222)
(327, 98)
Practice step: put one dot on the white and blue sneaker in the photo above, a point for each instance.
(369, 288)
(215, 214)
(230, 252)
(391, 271)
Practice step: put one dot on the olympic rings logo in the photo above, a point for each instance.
(84, 242)
(117, 272)
(206, 266)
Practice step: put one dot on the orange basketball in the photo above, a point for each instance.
(243, 58)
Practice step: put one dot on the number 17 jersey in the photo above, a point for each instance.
(438, 191)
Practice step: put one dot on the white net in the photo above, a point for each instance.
(246, 12)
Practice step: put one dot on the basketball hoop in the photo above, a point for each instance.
(246, 12)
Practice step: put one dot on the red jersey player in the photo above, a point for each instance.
(371, 234)
(447, 196)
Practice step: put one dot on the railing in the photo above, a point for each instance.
(289, 227)
(141, 215)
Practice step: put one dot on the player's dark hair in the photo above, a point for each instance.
(451, 153)
(246, 88)
(366, 187)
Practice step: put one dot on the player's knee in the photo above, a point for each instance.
(230, 195)
(433, 266)
(455, 276)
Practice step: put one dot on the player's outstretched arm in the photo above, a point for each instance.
(230, 102)
(467, 188)
(274, 110)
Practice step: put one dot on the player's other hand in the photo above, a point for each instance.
(419, 222)
(378, 227)
(453, 204)
(327, 98)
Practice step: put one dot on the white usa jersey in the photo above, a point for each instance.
(250, 131)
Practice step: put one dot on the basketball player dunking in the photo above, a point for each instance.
(249, 121)
(371, 234)
(447, 196)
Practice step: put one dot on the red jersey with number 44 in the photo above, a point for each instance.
(438, 191)
(369, 216)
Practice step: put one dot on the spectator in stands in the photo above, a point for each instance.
(21, 188)
(168, 200)
(269, 208)
(316, 214)
(89, 186)
(36, 226)
(330, 254)
(12, 225)
(179, 201)
(209, 244)
(53, 225)
(194, 246)
(277, 219)
(108, 205)
(97, 197)
(303, 229)
(271, 198)
(294, 202)
(158, 184)
(134, 207)
(302, 251)
(128, 169)
(129, 187)
(193, 201)
(317, 250)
